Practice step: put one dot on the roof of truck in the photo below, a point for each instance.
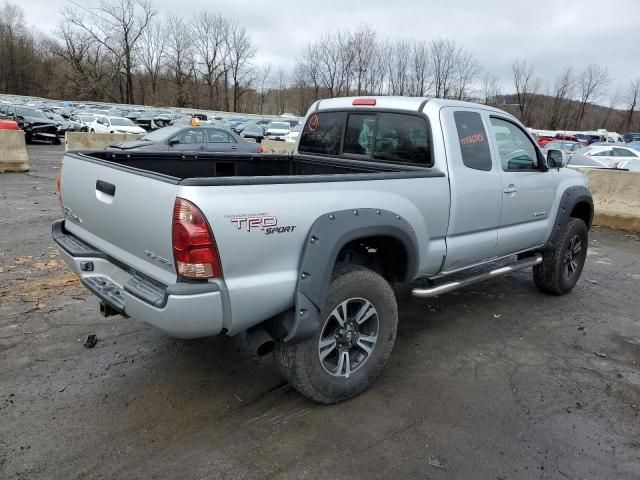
(397, 103)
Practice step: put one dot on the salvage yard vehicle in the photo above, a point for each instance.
(300, 251)
(188, 139)
(115, 125)
(34, 123)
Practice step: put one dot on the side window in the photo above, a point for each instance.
(218, 136)
(402, 138)
(516, 150)
(358, 138)
(191, 135)
(322, 133)
(603, 153)
(474, 145)
(621, 152)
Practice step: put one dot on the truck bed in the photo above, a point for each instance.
(220, 169)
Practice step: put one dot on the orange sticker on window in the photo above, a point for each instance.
(314, 122)
(469, 139)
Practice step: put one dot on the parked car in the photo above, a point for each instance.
(62, 124)
(584, 161)
(630, 165)
(631, 137)
(186, 139)
(115, 125)
(81, 122)
(34, 123)
(565, 146)
(609, 154)
(277, 130)
(253, 131)
(294, 134)
(300, 251)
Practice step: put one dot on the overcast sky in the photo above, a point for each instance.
(551, 34)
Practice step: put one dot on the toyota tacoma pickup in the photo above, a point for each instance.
(300, 251)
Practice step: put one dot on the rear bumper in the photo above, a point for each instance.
(181, 310)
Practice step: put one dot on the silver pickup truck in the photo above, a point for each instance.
(300, 251)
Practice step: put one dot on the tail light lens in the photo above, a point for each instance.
(260, 149)
(194, 248)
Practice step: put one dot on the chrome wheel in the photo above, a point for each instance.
(572, 257)
(348, 337)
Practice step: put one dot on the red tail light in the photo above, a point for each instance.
(260, 149)
(367, 102)
(194, 248)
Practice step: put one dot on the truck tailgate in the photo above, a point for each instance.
(124, 214)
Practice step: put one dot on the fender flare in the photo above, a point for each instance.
(570, 198)
(326, 237)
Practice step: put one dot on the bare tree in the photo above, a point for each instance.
(563, 88)
(328, 51)
(241, 54)
(420, 68)
(443, 56)
(152, 54)
(631, 98)
(117, 26)
(213, 39)
(398, 59)
(364, 46)
(490, 88)
(265, 80)
(591, 85)
(179, 53)
(527, 89)
(467, 69)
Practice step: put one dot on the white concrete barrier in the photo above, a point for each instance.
(94, 141)
(274, 146)
(616, 196)
(13, 151)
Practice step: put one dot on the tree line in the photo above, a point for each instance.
(123, 51)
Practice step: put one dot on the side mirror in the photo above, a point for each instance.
(173, 141)
(554, 159)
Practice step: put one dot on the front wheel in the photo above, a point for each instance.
(560, 269)
(353, 343)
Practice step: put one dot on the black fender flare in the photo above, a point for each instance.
(326, 237)
(571, 197)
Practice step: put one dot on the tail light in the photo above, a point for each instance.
(59, 189)
(369, 102)
(260, 149)
(194, 248)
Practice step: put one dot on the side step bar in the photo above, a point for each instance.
(451, 286)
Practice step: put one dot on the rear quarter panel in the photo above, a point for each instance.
(261, 269)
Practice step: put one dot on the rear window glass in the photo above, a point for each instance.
(402, 138)
(361, 129)
(322, 133)
(474, 146)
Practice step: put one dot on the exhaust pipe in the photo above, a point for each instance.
(260, 341)
(107, 311)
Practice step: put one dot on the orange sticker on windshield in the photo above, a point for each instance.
(314, 122)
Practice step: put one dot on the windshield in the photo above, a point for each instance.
(27, 112)
(161, 134)
(583, 150)
(280, 125)
(121, 122)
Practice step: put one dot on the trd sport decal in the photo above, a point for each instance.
(268, 224)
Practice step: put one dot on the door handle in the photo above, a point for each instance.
(510, 189)
(234, 147)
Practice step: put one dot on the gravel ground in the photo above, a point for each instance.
(496, 381)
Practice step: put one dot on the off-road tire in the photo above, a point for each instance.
(550, 276)
(300, 363)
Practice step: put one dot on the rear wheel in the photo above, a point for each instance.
(561, 268)
(353, 343)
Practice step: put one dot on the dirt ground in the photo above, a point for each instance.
(496, 381)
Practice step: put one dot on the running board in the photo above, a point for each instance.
(451, 286)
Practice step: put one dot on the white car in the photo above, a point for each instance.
(115, 125)
(277, 130)
(294, 134)
(611, 155)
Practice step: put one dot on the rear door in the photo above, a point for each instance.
(476, 193)
(528, 191)
(126, 215)
(219, 141)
